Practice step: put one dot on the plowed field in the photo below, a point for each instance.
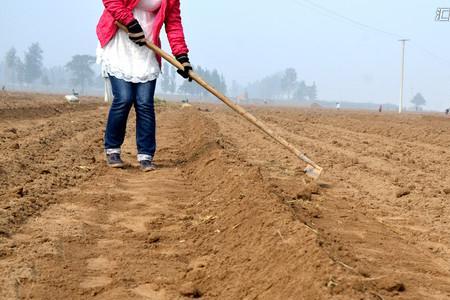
(228, 214)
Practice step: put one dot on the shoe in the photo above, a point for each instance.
(114, 161)
(147, 165)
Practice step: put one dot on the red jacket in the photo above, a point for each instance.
(122, 11)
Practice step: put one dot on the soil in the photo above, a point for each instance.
(228, 214)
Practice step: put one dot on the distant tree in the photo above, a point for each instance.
(2, 72)
(269, 87)
(173, 80)
(187, 88)
(223, 84)
(289, 82)
(80, 67)
(11, 65)
(165, 79)
(282, 85)
(45, 81)
(184, 88)
(212, 77)
(58, 76)
(418, 100)
(33, 63)
(236, 89)
(215, 79)
(99, 81)
(312, 92)
(208, 76)
(301, 91)
(20, 70)
(190, 88)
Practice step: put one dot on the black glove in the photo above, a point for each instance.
(136, 33)
(184, 60)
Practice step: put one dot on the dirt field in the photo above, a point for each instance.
(228, 214)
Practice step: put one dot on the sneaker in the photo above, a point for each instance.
(147, 165)
(114, 161)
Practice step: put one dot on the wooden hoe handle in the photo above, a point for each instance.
(237, 108)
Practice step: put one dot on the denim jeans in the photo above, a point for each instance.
(127, 94)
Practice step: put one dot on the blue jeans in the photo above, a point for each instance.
(125, 95)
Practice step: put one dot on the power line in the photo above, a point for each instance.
(345, 18)
(430, 53)
(337, 16)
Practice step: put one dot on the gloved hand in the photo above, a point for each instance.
(184, 60)
(136, 33)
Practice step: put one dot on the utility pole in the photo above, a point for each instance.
(400, 108)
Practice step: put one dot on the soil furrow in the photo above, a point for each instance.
(228, 214)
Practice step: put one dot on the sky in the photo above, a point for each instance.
(350, 48)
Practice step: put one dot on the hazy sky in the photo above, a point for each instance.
(248, 39)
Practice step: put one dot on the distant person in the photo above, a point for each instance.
(338, 106)
(380, 108)
(3, 88)
(447, 111)
(133, 69)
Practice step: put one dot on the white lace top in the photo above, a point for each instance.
(125, 60)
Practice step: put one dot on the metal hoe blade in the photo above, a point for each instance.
(313, 172)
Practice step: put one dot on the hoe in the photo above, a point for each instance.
(312, 169)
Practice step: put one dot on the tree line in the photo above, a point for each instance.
(30, 71)
(169, 81)
(283, 85)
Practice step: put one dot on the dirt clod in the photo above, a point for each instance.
(402, 192)
(4, 233)
(396, 287)
(15, 146)
(153, 238)
(12, 130)
(189, 289)
(19, 191)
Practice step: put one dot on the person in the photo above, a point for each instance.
(447, 111)
(380, 108)
(338, 105)
(132, 69)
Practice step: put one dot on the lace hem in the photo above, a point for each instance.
(134, 79)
